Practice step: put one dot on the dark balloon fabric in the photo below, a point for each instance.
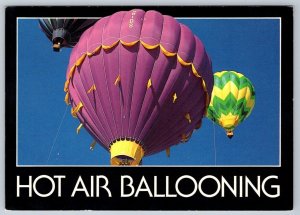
(65, 31)
(140, 76)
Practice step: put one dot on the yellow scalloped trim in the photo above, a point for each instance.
(110, 46)
(167, 53)
(129, 43)
(67, 98)
(182, 62)
(96, 50)
(80, 60)
(147, 46)
(70, 75)
(195, 71)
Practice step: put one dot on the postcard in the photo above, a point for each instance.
(149, 108)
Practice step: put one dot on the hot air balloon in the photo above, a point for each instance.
(139, 82)
(64, 32)
(232, 100)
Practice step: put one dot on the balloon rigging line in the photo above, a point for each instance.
(57, 133)
(214, 145)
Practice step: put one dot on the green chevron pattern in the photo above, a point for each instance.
(232, 100)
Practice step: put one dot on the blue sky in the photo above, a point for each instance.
(47, 136)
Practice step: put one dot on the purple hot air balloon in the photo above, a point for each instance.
(139, 82)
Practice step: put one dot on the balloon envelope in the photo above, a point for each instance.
(139, 82)
(232, 100)
(64, 32)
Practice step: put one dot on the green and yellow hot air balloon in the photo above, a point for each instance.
(232, 100)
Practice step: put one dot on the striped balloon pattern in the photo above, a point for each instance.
(64, 32)
(232, 100)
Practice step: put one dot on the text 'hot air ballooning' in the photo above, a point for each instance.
(185, 186)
